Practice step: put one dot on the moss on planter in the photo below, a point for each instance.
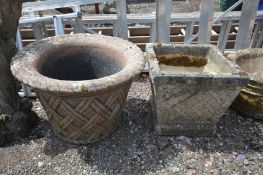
(182, 60)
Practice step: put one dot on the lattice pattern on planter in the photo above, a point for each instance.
(201, 102)
(84, 119)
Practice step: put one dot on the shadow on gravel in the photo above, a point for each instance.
(54, 145)
(234, 134)
(132, 149)
(37, 133)
(135, 149)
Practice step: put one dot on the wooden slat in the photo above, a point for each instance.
(179, 40)
(45, 5)
(257, 35)
(189, 30)
(59, 26)
(259, 40)
(175, 38)
(246, 24)
(134, 30)
(206, 19)
(225, 29)
(28, 34)
(163, 20)
(153, 33)
(39, 28)
(122, 19)
(175, 17)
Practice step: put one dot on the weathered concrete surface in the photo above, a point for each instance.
(81, 80)
(249, 102)
(191, 102)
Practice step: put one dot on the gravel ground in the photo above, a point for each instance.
(237, 147)
(148, 6)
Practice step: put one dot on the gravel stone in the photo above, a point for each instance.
(162, 142)
(231, 151)
(133, 148)
(148, 6)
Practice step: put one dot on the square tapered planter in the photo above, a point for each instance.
(193, 86)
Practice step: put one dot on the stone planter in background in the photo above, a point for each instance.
(250, 100)
(81, 80)
(190, 97)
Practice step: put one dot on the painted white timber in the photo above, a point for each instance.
(257, 32)
(189, 30)
(153, 34)
(122, 19)
(53, 4)
(206, 21)
(246, 24)
(224, 33)
(59, 26)
(37, 28)
(163, 20)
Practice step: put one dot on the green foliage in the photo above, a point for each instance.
(225, 4)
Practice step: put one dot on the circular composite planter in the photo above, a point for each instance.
(250, 100)
(81, 80)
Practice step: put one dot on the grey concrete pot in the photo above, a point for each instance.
(81, 80)
(189, 101)
(249, 102)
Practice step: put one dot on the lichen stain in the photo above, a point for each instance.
(83, 88)
(182, 60)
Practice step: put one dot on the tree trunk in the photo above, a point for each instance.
(10, 12)
(14, 113)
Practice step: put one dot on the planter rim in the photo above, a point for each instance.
(252, 52)
(23, 65)
(236, 73)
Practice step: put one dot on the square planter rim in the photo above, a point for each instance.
(156, 71)
(243, 54)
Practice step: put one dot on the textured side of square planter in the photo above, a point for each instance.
(190, 100)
